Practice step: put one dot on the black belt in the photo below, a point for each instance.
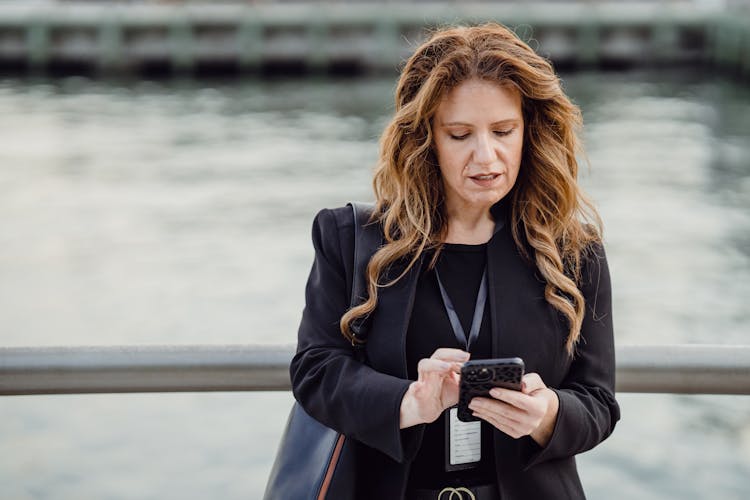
(483, 492)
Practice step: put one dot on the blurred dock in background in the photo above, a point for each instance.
(306, 37)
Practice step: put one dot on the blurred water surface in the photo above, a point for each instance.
(135, 212)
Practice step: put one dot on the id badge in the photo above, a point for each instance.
(463, 442)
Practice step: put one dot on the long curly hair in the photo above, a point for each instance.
(552, 221)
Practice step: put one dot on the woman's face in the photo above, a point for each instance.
(478, 134)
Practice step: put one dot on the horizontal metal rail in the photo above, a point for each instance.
(686, 369)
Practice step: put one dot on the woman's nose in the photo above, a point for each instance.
(484, 152)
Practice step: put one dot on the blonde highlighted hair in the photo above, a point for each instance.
(552, 220)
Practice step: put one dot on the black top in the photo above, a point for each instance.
(460, 268)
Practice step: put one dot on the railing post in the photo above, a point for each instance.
(37, 44)
(181, 43)
(250, 41)
(110, 45)
(317, 32)
(588, 43)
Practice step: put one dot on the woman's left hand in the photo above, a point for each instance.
(529, 412)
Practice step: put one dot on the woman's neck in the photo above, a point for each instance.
(470, 227)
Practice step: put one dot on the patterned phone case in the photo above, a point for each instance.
(478, 377)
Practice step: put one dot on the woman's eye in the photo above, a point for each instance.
(459, 137)
(504, 132)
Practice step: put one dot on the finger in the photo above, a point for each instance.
(508, 420)
(429, 365)
(450, 354)
(532, 382)
(497, 409)
(511, 397)
(500, 422)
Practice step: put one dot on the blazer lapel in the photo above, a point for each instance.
(523, 322)
(386, 342)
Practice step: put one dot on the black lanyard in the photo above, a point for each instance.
(476, 322)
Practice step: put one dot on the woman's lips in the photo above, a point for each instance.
(485, 180)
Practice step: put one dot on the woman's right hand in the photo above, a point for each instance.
(435, 389)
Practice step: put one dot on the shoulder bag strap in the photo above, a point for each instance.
(367, 239)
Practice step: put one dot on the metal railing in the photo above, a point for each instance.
(686, 369)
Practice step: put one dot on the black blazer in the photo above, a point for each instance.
(363, 400)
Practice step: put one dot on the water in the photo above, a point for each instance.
(137, 212)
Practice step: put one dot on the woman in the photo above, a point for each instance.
(476, 182)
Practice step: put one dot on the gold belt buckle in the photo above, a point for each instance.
(458, 492)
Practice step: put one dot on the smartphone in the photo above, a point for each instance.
(481, 375)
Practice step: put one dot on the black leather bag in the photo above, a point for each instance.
(314, 461)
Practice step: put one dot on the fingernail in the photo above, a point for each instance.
(495, 393)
